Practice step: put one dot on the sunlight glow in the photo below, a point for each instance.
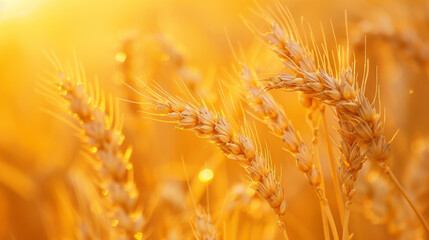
(206, 175)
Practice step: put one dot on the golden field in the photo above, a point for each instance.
(303, 119)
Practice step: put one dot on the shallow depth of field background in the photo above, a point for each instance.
(40, 155)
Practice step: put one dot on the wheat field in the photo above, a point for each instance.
(228, 119)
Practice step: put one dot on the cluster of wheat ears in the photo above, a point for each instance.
(326, 79)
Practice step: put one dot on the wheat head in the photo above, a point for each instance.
(101, 128)
(236, 146)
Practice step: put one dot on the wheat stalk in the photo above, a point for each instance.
(236, 146)
(340, 91)
(101, 128)
(277, 121)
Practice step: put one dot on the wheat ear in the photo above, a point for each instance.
(340, 92)
(314, 110)
(277, 121)
(101, 128)
(230, 141)
(203, 226)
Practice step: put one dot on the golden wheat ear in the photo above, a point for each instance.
(99, 122)
(235, 144)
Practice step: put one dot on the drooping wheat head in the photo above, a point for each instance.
(235, 145)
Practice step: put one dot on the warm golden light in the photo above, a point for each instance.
(115, 222)
(206, 175)
(121, 57)
(295, 104)
(138, 235)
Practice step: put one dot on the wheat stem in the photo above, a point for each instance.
(334, 173)
(314, 109)
(282, 224)
(325, 223)
(346, 221)
(331, 220)
(313, 120)
(389, 173)
(324, 217)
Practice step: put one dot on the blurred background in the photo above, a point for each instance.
(169, 41)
